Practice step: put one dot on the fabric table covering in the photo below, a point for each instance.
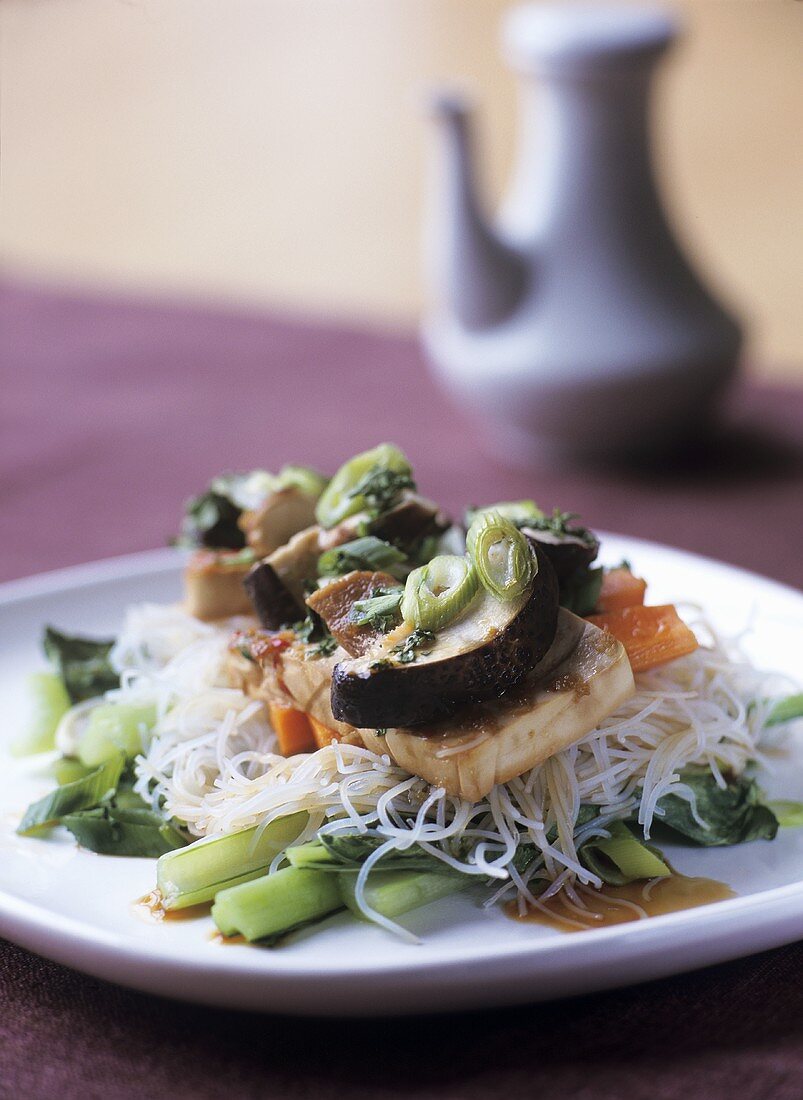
(112, 413)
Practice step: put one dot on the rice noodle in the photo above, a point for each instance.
(213, 760)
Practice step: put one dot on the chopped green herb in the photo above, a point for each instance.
(381, 487)
(324, 648)
(380, 611)
(560, 524)
(407, 651)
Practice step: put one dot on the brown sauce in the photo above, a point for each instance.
(617, 904)
(218, 937)
(151, 908)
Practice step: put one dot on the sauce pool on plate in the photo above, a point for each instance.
(621, 904)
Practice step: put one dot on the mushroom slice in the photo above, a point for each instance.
(335, 605)
(584, 677)
(568, 552)
(283, 514)
(478, 656)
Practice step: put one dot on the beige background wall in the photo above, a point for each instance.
(273, 151)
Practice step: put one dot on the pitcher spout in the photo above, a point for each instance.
(481, 277)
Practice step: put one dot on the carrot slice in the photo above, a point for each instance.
(620, 588)
(292, 728)
(325, 735)
(650, 635)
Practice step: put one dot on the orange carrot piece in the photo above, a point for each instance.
(620, 588)
(323, 734)
(650, 635)
(292, 728)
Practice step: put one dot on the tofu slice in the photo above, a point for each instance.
(213, 585)
(470, 753)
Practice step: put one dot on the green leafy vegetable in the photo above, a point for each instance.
(786, 710)
(621, 858)
(324, 648)
(312, 630)
(732, 815)
(81, 794)
(82, 663)
(407, 651)
(211, 520)
(112, 831)
(789, 814)
(366, 553)
(67, 770)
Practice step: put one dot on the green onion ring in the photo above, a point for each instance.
(503, 558)
(436, 593)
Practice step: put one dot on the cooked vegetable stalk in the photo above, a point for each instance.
(82, 794)
(503, 559)
(197, 873)
(274, 904)
(519, 512)
(113, 728)
(789, 814)
(436, 593)
(392, 893)
(49, 703)
(621, 858)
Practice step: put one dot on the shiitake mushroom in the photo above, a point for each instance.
(479, 656)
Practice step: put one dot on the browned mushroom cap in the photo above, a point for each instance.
(479, 656)
(568, 552)
(335, 602)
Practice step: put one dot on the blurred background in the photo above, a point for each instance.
(272, 153)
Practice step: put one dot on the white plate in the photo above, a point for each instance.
(76, 907)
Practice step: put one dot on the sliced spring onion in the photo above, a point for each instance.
(368, 552)
(82, 794)
(277, 903)
(391, 893)
(436, 593)
(504, 561)
(197, 873)
(337, 501)
(49, 702)
(303, 478)
(113, 728)
(621, 858)
(519, 512)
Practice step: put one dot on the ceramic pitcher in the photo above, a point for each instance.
(574, 324)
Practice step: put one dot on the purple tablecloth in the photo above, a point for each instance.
(110, 414)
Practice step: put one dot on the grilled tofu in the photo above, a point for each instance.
(584, 677)
(213, 585)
